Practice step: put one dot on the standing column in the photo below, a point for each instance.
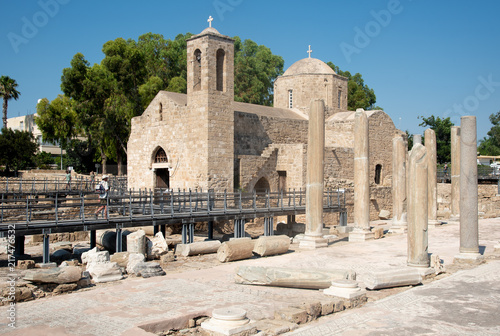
(417, 208)
(455, 174)
(417, 139)
(399, 223)
(430, 145)
(361, 230)
(469, 232)
(314, 189)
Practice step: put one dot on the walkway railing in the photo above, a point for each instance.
(63, 211)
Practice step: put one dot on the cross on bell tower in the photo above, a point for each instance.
(210, 19)
(309, 51)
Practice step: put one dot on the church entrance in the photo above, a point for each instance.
(162, 178)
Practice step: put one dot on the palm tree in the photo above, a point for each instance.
(7, 91)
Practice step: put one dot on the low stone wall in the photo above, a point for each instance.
(488, 201)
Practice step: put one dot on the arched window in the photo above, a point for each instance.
(161, 112)
(197, 70)
(378, 173)
(220, 69)
(161, 156)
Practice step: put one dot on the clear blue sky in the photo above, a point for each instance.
(421, 57)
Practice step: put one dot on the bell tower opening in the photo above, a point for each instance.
(220, 69)
(197, 70)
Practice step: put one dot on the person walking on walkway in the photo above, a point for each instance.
(103, 189)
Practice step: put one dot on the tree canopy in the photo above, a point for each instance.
(359, 94)
(255, 70)
(442, 128)
(17, 149)
(490, 145)
(8, 91)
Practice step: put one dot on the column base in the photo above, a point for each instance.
(468, 258)
(313, 242)
(399, 229)
(360, 235)
(421, 267)
(347, 289)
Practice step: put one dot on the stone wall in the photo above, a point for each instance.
(488, 201)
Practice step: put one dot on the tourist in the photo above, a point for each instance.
(103, 189)
(68, 179)
(92, 179)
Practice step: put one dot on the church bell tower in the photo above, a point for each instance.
(210, 96)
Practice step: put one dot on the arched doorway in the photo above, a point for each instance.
(262, 185)
(160, 166)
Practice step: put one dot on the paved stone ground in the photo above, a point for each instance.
(465, 303)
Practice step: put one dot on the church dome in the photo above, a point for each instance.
(210, 30)
(309, 66)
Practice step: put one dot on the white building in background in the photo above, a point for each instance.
(27, 123)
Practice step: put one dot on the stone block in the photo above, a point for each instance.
(291, 314)
(313, 310)
(148, 269)
(95, 256)
(157, 246)
(105, 272)
(393, 278)
(121, 258)
(136, 242)
(133, 260)
(25, 264)
(327, 307)
(59, 275)
(378, 232)
(384, 214)
(65, 288)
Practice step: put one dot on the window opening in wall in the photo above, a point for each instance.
(378, 173)
(161, 112)
(282, 180)
(197, 70)
(161, 156)
(290, 98)
(220, 69)
(340, 95)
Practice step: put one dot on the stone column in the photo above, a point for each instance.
(469, 232)
(417, 139)
(455, 174)
(417, 208)
(361, 230)
(430, 145)
(399, 223)
(313, 237)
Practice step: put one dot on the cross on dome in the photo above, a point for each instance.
(309, 51)
(210, 19)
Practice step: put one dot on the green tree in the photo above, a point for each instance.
(43, 160)
(57, 120)
(255, 70)
(442, 128)
(490, 145)
(359, 94)
(17, 149)
(80, 156)
(8, 91)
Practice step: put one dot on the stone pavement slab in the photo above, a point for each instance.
(465, 303)
(136, 305)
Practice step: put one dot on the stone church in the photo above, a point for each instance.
(205, 140)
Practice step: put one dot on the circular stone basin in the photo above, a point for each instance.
(345, 283)
(229, 314)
